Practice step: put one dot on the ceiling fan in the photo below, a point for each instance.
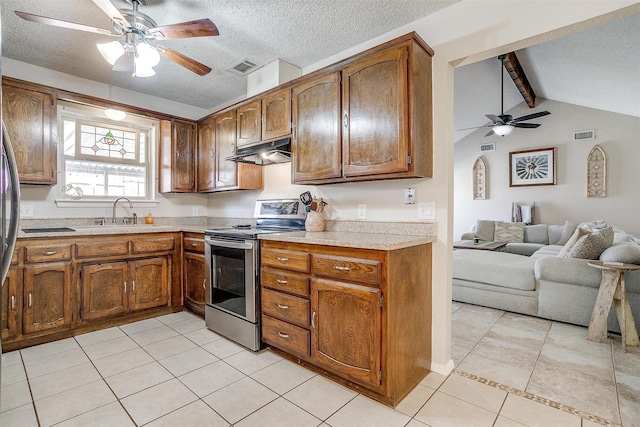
(134, 52)
(504, 123)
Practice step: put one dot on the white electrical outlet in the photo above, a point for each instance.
(409, 196)
(195, 211)
(26, 211)
(427, 210)
(362, 211)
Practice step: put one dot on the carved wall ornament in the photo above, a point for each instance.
(480, 182)
(597, 173)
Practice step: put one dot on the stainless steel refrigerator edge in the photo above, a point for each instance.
(9, 187)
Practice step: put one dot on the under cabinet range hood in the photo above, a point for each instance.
(265, 153)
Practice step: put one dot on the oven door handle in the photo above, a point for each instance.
(228, 244)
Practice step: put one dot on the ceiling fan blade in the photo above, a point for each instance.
(199, 28)
(494, 118)
(475, 127)
(112, 12)
(531, 116)
(526, 125)
(64, 24)
(185, 61)
(490, 133)
(125, 62)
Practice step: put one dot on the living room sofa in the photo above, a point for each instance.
(544, 284)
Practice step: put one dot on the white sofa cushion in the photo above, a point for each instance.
(567, 231)
(538, 233)
(494, 268)
(485, 230)
(628, 253)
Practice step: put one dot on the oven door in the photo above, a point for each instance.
(231, 269)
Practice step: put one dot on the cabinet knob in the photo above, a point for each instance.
(13, 302)
(125, 286)
(283, 259)
(284, 307)
(30, 300)
(194, 245)
(280, 334)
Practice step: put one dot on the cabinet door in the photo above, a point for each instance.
(226, 172)
(194, 281)
(315, 144)
(346, 330)
(184, 134)
(276, 114)
(249, 123)
(47, 297)
(30, 118)
(11, 304)
(375, 118)
(104, 290)
(149, 283)
(206, 158)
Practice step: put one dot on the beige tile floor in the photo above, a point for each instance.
(172, 371)
(549, 359)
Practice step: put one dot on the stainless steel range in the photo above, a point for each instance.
(232, 257)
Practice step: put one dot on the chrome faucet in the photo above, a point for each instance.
(113, 217)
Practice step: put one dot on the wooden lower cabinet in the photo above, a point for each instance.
(361, 316)
(149, 283)
(47, 297)
(12, 304)
(193, 271)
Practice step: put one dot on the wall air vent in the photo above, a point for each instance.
(488, 147)
(242, 68)
(584, 134)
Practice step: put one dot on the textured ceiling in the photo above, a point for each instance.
(596, 68)
(300, 32)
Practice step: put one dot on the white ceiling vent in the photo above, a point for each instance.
(488, 147)
(584, 134)
(242, 68)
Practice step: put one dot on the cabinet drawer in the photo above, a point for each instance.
(192, 244)
(287, 337)
(353, 269)
(152, 245)
(280, 280)
(47, 253)
(291, 260)
(285, 307)
(99, 249)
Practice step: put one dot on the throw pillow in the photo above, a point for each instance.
(578, 233)
(509, 232)
(485, 230)
(593, 244)
(567, 232)
(628, 253)
(593, 225)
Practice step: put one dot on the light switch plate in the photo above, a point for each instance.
(362, 211)
(427, 210)
(195, 211)
(26, 211)
(409, 196)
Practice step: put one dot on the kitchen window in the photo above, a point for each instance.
(103, 159)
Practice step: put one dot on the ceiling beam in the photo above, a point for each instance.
(513, 67)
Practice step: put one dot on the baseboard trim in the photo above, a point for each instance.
(443, 369)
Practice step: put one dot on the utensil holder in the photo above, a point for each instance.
(314, 221)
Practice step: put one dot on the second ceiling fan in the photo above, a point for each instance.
(503, 124)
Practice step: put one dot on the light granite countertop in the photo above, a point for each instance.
(386, 242)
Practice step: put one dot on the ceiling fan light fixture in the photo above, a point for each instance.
(116, 115)
(141, 70)
(147, 56)
(111, 51)
(502, 130)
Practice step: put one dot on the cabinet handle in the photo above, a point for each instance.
(282, 282)
(282, 259)
(133, 286)
(345, 120)
(47, 253)
(313, 320)
(125, 286)
(194, 245)
(204, 284)
(284, 307)
(30, 300)
(13, 302)
(280, 334)
(341, 268)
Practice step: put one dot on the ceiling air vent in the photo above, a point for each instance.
(488, 147)
(242, 68)
(584, 134)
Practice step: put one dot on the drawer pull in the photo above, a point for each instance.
(313, 320)
(284, 307)
(341, 268)
(204, 284)
(194, 245)
(133, 286)
(13, 302)
(30, 300)
(48, 253)
(281, 335)
(282, 282)
(282, 259)
(125, 286)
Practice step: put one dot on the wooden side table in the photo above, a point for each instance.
(612, 289)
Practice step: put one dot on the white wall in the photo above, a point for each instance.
(616, 134)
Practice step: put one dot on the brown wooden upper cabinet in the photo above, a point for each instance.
(206, 156)
(248, 123)
(276, 115)
(29, 113)
(225, 136)
(384, 119)
(177, 149)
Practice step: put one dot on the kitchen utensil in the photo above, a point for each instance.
(317, 205)
(306, 198)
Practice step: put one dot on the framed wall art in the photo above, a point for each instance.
(532, 167)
